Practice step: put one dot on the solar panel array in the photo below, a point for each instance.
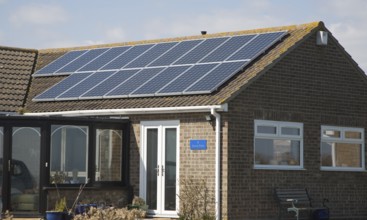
(161, 69)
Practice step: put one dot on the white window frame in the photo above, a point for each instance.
(343, 139)
(279, 125)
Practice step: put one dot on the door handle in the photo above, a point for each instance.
(162, 170)
(9, 165)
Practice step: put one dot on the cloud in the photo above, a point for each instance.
(115, 34)
(213, 22)
(346, 9)
(38, 15)
(353, 39)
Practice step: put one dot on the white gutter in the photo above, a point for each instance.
(133, 111)
(217, 163)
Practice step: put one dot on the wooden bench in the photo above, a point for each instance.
(296, 200)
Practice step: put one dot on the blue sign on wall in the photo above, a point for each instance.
(197, 144)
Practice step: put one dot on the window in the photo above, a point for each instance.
(342, 148)
(108, 155)
(69, 154)
(278, 145)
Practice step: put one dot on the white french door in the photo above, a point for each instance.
(159, 166)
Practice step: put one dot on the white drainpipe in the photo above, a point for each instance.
(217, 163)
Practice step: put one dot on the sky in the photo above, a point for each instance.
(41, 24)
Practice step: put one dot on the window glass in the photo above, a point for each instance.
(108, 155)
(25, 163)
(343, 151)
(263, 129)
(291, 131)
(331, 133)
(353, 134)
(341, 154)
(278, 150)
(69, 150)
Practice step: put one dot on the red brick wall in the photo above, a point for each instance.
(313, 85)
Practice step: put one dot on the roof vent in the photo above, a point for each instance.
(203, 32)
(321, 38)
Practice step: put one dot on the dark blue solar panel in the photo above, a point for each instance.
(127, 57)
(62, 86)
(151, 55)
(110, 83)
(60, 62)
(187, 79)
(158, 82)
(91, 81)
(227, 49)
(175, 53)
(215, 78)
(105, 58)
(134, 82)
(257, 46)
(82, 60)
(201, 51)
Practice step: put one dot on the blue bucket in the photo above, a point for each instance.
(54, 215)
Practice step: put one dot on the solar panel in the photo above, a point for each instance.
(257, 45)
(189, 77)
(104, 87)
(168, 68)
(212, 80)
(105, 58)
(59, 63)
(124, 89)
(175, 53)
(227, 49)
(127, 57)
(85, 85)
(82, 60)
(59, 88)
(158, 82)
(151, 55)
(201, 50)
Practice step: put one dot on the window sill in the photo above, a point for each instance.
(73, 187)
(341, 169)
(256, 167)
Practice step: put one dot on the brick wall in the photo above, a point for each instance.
(315, 86)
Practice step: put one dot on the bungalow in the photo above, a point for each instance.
(245, 112)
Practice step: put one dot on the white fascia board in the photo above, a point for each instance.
(134, 111)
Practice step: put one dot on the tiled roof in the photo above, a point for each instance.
(225, 93)
(16, 67)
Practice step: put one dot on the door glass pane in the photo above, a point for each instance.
(108, 155)
(152, 149)
(69, 150)
(170, 169)
(25, 169)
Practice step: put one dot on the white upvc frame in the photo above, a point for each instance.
(161, 126)
(342, 139)
(278, 125)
